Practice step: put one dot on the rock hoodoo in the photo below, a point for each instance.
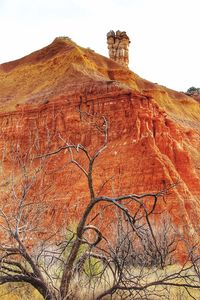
(118, 44)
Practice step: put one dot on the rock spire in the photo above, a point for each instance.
(118, 44)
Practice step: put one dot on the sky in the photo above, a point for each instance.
(164, 34)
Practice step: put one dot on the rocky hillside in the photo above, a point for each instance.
(154, 132)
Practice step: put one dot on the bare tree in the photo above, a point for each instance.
(130, 258)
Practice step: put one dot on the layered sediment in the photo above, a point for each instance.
(154, 132)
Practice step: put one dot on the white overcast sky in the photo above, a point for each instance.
(165, 34)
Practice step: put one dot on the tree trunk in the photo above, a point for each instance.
(67, 274)
(68, 268)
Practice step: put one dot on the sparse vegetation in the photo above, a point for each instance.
(20, 291)
(125, 256)
(193, 90)
(90, 50)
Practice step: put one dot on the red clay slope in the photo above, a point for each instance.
(154, 135)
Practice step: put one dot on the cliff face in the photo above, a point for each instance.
(154, 132)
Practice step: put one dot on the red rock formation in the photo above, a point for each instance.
(154, 135)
